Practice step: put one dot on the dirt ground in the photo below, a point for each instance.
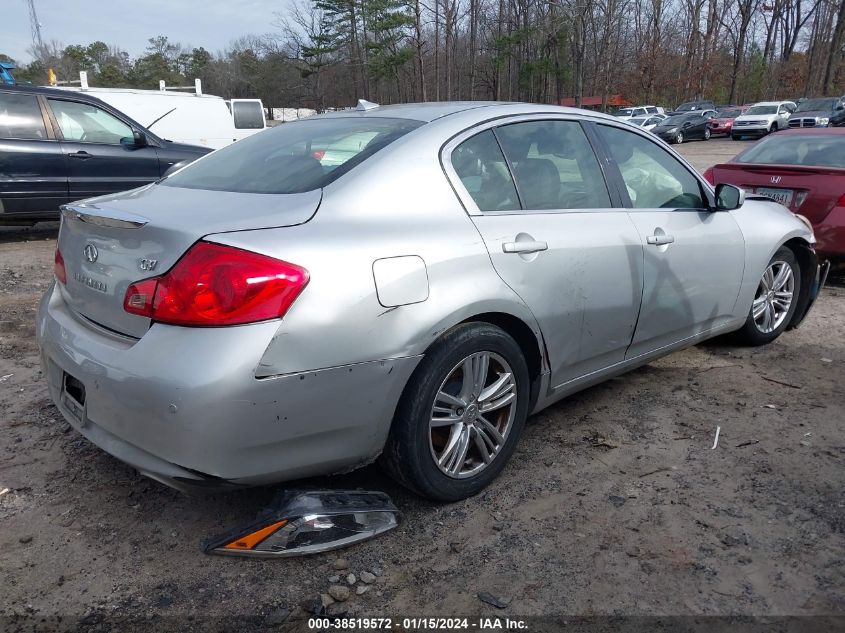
(614, 503)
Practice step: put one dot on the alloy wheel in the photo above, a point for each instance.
(707, 134)
(680, 138)
(472, 414)
(774, 297)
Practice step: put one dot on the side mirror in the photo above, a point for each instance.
(729, 197)
(138, 139)
(840, 107)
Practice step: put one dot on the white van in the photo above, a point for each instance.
(196, 119)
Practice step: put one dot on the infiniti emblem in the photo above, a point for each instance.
(775, 179)
(90, 252)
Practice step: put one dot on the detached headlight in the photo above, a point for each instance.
(823, 120)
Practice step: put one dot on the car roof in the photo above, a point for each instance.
(772, 103)
(427, 111)
(50, 92)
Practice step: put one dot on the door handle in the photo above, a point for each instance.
(81, 155)
(659, 240)
(525, 247)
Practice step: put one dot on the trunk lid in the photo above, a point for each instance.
(814, 190)
(111, 241)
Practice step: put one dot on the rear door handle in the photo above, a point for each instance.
(81, 155)
(524, 247)
(659, 240)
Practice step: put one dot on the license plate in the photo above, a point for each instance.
(784, 196)
(73, 397)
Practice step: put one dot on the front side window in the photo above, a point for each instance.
(87, 123)
(480, 165)
(249, 115)
(20, 117)
(554, 165)
(653, 177)
(294, 157)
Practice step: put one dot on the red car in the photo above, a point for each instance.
(804, 170)
(724, 119)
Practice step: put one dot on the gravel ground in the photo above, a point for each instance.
(614, 503)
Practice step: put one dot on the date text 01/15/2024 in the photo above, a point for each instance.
(418, 623)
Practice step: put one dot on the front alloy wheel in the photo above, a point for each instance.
(707, 134)
(679, 138)
(775, 299)
(472, 414)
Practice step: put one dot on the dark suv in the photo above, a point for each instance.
(57, 146)
(819, 112)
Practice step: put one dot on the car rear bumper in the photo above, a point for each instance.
(182, 405)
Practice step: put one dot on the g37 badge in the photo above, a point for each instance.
(147, 264)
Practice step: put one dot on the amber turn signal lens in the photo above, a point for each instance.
(249, 541)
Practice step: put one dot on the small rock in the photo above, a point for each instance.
(362, 589)
(616, 500)
(340, 564)
(334, 579)
(498, 527)
(367, 577)
(277, 616)
(827, 360)
(337, 610)
(500, 602)
(351, 579)
(339, 593)
(376, 572)
(326, 600)
(25, 539)
(456, 546)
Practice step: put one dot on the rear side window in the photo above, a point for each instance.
(294, 157)
(653, 177)
(480, 165)
(249, 115)
(554, 165)
(20, 117)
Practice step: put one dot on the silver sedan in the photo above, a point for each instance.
(404, 283)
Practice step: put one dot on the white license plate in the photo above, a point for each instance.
(784, 196)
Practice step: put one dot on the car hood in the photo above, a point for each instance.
(664, 128)
(812, 113)
(185, 148)
(754, 117)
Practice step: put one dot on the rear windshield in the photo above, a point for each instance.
(293, 157)
(797, 149)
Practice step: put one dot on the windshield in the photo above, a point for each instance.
(768, 109)
(729, 113)
(811, 105)
(686, 107)
(293, 157)
(624, 112)
(675, 120)
(639, 120)
(797, 149)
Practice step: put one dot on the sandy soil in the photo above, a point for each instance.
(614, 502)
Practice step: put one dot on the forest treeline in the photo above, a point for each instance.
(329, 53)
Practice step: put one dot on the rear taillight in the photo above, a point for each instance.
(215, 285)
(841, 202)
(708, 175)
(59, 267)
(318, 154)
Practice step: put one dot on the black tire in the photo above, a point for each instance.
(773, 128)
(408, 454)
(707, 134)
(679, 138)
(751, 334)
(735, 138)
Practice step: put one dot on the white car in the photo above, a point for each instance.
(638, 111)
(646, 122)
(762, 118)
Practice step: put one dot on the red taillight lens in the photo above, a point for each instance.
(318, 154)
(59, 267)
(215, 285)
(708, 175)
(841, 202)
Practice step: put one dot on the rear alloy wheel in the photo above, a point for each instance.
(707, 134)
(775, 300)
(461, 414)
(679, 138)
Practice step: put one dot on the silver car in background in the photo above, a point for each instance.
(262, 315)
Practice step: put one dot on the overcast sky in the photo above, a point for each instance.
(212, 24)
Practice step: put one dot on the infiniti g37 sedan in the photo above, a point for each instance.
(268, 313)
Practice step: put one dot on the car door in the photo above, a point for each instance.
(693, 256)
(694, 127)
(33, 176)
(537, 194)
(102, 155)
(783, 116)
